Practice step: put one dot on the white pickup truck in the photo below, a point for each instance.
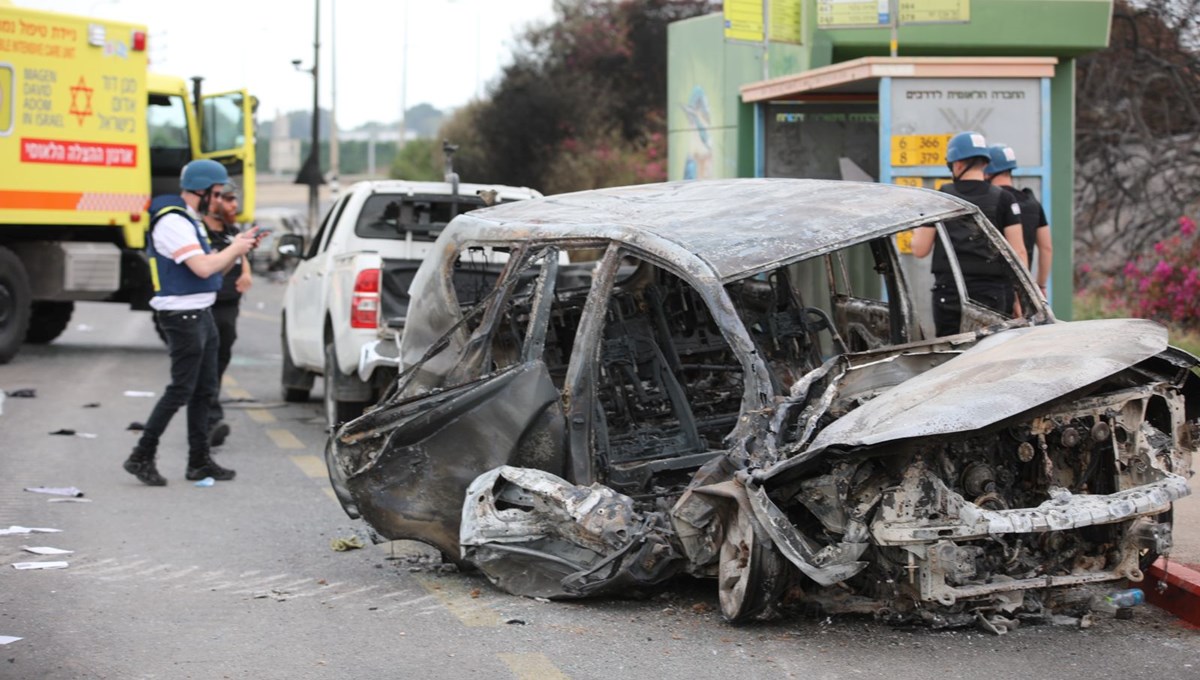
(371, 241)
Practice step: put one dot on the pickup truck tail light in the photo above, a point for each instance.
(364, 305)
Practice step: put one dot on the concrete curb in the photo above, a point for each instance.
(1181, 596)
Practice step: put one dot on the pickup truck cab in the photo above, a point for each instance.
(374, 237)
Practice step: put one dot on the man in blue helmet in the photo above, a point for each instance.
(985, 275)
(187, 273)
(1034, 226)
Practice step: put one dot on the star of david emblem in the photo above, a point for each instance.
(81, 91)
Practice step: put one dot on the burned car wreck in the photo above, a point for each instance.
(739, 379)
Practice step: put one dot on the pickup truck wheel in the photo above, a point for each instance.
(15, 302)
(336, 410)
(296, 383)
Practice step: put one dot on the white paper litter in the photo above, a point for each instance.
(2, 413)
(56, 490)
(14, 530)
(7, 639)
(40, 565)
(137, 393)
(43, 550)
(86, 435)
(68, 500)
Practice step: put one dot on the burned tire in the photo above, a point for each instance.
(295, 382)
(47, 321)
(15, 304)
(752, 575)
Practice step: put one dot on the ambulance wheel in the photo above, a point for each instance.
(15, 302)
(47, 320)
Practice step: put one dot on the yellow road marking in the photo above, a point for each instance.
(312, 466)
(228, 380)
(531, 666)
(470, 611)
(260, 415)
(261, 317)
(285, 439)
(238, 393)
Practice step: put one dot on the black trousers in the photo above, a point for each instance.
(225, 315)
(192, 345)
(995, 294)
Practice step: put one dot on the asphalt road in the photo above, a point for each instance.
(239, 580)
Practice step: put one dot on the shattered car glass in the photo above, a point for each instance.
(740, 379)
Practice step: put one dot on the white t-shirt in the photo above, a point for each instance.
(175, 237)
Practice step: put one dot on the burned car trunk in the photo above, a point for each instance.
(741, 379)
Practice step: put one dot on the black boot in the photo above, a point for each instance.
(140, 464)
(201, 465)
(217, 433)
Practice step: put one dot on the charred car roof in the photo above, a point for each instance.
(739, 227)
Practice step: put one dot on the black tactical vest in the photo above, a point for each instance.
(976, 256)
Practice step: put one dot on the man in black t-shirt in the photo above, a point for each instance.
(220, 221)
(986, 275)
(1034, 225)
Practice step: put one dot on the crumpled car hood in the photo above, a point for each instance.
(1000, 377)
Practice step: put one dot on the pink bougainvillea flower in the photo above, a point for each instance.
(1187, 226)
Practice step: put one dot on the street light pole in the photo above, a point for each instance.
(310, 173)
(335, 169)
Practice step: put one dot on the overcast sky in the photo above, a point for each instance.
(455, 47)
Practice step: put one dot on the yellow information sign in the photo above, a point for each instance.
(785, 21)
(904, 242)
(744, 20)
(934, 11)
(908, 181)
(851, 13)
(908, 150)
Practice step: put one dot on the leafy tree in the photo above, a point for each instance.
(1137, 133)
(418, 160)
(583, 104)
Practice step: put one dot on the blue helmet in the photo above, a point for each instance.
(966, 145)
(1003, 159)
(202, 174)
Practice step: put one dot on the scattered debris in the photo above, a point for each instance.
(139, 393)
(207, 481)
(25, 393)
(136, 426)
(344, 544)
(68, 500)
(8, 639)
(18, 530)
(40, 565)
(516, 622)
(56, 490)
(45, 550)
(93, 404)
(274, 594)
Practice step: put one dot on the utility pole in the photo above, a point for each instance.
(403, 83)
(335, 169)
(310, 172)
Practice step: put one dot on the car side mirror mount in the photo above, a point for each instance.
(290, 245)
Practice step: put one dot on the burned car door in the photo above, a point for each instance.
(407, 463)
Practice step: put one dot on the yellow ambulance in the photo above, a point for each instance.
(87, 137)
